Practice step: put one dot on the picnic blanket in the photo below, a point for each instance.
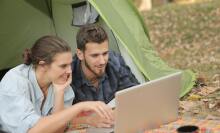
(205, 126)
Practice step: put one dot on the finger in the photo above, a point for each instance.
(105, 110)
(69, 79)
(110, 113)
(108, 121)
(104, 125)
(108, 110)
(98, 111)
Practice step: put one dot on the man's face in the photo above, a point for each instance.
(95, 58)
(60, 69)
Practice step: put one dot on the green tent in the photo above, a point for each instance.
(24, 21)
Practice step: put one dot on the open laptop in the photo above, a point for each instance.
(145, 106)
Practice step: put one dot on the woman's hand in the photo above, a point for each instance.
(97, 121)
(101, 114)
(61, 87)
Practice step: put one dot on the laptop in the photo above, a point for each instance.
(145, 106)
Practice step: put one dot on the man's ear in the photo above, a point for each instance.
(79, 54)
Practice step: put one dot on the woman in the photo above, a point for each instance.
(36, 96)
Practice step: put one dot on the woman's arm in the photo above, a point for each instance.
(54, 122)
(59, 90)
(93, 120)
(58, 101)
(59, 106)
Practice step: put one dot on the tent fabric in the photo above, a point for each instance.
(24, 21)
(84, 14)
(21, 23)
(125, 22)
(66, 30)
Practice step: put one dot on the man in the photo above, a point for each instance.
(97, 72)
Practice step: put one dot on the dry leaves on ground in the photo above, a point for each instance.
(187, 37)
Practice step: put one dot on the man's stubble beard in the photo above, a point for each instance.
(90, 69)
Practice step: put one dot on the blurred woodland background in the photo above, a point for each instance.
(186, 34)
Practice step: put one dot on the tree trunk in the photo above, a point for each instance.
(145, 5)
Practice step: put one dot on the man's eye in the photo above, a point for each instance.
(95, 55)
(106, 53)
(63, 66)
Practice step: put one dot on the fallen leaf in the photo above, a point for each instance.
(194, 97)
(212, 105)
(211, 117)
(207, 90)
(196, 111)
(187, 105)
(205, 100)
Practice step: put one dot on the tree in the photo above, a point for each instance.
(145, 5)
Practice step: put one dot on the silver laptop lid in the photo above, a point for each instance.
(147, 105)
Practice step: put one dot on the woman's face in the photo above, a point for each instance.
(60, 69)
